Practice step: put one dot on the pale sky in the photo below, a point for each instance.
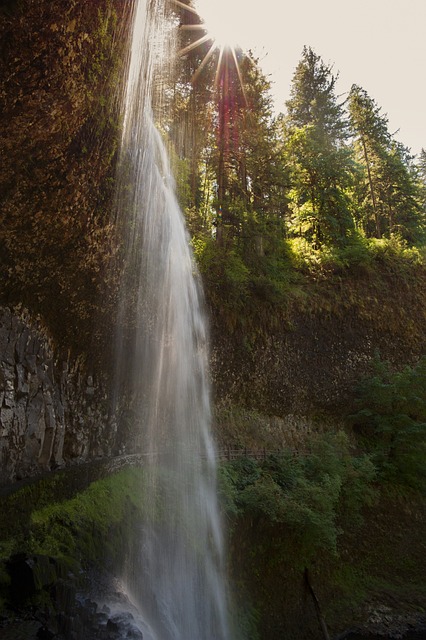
(377, 44)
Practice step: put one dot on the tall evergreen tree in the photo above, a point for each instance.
(422, 165)
(230, 104)
(315, 132)
(388, 192)
(371, 136)
(250, 174)
(265, 169)
(421, 173)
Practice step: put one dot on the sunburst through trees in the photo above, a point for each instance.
(219, 34)
(215, 62)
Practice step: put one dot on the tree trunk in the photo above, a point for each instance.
(373, 196)
(317, 607)
(222, 178)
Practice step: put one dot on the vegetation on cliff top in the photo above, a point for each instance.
(277, 205)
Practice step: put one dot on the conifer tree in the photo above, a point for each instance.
(389, 197)
(371, 139)
(315, 132)
(421, 173)
(422, 165)
(249, 169)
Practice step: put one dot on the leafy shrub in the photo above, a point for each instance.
(358, 251)
(391, 417)
(306, 494)
(395, 253)
(224, 272)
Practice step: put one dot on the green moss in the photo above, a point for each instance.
(351, 590)
(74, 527)
(39, 521)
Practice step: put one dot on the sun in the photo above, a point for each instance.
(220, 21)
(219, 26)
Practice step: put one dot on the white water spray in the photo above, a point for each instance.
(179, 582)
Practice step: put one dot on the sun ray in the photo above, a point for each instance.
(237, 66)
(194, 45)
(204, 62)
(221, 45)
(182, 5)
(219, 66)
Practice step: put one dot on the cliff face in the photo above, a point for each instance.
(52, 412)
(59, 70)
(309, 362)
(55, 408)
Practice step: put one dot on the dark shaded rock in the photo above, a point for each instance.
(133, 633)
(22, 580)
(47, 418)
(119, 620)
(21, 630)
(29, 575)
(63, 594)
(45, 634)
(124, 625)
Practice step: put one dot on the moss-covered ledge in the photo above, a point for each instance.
(56, 530)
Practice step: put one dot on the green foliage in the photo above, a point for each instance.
(225, 273)
(327, 173)
(389, 254)
(356, 253)
(71, 528)
(269, 260)
(391, 417)
(315, 133)
(395, 252)
(388, 195)
(308, 495)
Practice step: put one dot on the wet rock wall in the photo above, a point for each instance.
(53, 411)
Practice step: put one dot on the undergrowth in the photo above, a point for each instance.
(310, 495)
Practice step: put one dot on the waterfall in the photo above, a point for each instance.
(162, 356)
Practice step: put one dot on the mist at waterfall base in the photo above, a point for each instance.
(175, 573)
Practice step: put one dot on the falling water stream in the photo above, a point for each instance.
(177, 579)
